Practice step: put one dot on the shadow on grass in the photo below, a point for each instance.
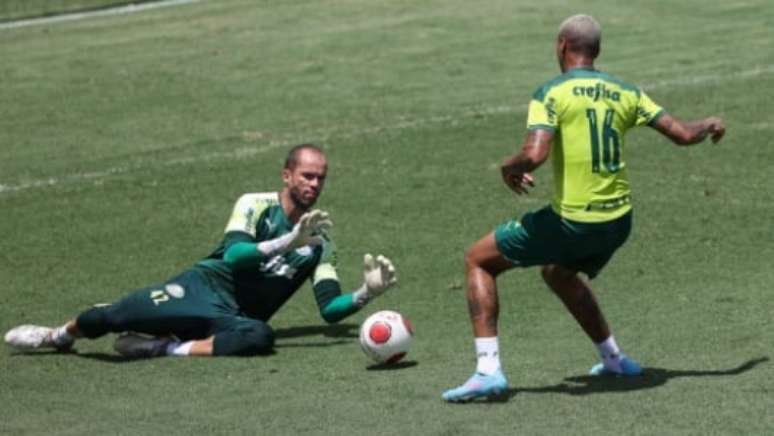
(327, 330)
(393, 366)
(103, 357)
(343, 333)
(651, 378)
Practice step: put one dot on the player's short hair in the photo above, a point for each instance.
(582, 33)
(292, 159)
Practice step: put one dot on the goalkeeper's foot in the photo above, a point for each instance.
(136, 345)
(622, 365)
(33, 337)
(478, 386)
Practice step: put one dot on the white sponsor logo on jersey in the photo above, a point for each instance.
(277, 266)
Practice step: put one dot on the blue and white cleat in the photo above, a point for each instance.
(478, 386)
(626, 367)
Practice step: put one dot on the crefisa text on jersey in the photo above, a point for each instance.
(595, 92)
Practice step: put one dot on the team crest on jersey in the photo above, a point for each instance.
(175, 290)
(270, 225)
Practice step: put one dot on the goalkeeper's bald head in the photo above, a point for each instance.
(294, 154)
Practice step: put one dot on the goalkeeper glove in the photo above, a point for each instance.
(379, 275)
(306, 232)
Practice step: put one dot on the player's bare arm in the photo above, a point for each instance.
(516, 169)
(690, 132)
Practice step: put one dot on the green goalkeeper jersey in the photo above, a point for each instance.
(260, 285)
(589, 112)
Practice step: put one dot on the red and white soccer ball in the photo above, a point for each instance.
(385, 336)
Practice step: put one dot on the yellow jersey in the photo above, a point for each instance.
(589, 112)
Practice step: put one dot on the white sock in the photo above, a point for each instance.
(610, 353)
(60, 336)
(179, 349)
(608, 347)
(488, 353)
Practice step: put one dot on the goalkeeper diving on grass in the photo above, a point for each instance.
(221, 306)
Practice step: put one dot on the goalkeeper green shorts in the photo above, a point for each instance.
(186, 306)
(543, 237)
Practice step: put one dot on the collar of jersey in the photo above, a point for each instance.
(583, 68)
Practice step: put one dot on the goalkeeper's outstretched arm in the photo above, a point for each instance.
(378, 276)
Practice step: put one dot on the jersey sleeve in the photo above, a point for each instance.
(325, 279)
(326, 268)
(647, 110)
(247, 213)
(542, 112)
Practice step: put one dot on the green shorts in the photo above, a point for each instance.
(186, 306)
(543, 237)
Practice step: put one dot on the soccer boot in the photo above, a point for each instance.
(136, 345)
(478, 386)
(625, 367)
(33, 337)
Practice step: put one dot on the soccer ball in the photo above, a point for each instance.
(385, 336)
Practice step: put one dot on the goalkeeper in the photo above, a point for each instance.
(220, 307)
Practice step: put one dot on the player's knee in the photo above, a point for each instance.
(479, 260)
(250, 340)
(555, 275)
(255, 341)
(546, 272)
(471, 258)
(260, 339)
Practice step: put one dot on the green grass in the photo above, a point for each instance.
(126, 141)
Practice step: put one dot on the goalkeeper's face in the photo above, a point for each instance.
(305, 180)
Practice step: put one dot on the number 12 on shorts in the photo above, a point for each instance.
(611, 145)
(159, 297)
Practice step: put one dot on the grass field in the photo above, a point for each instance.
(126, 140)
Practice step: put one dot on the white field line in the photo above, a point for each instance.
(120, 10)
(760, 70)
(246, 152)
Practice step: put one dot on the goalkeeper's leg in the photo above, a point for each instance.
(184, 306)
(98, 321)
(242, 336)
(234, 336)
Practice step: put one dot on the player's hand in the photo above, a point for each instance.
(716, 128)
(518, 182)
(379, 274)
(309, 228)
